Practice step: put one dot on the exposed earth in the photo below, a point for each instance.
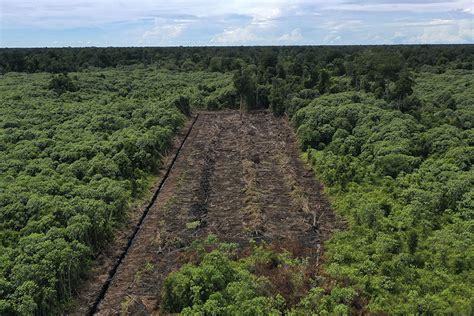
(239, 178)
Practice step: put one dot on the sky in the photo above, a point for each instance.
(53, 23)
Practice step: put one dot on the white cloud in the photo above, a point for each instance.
(235, 36)
(292, 37)
(77, 13)
(337, 26)
(332, 39)
(445, 32)
(267, 19)
(163, 31)
(433, 22)
(433, 31)
(238, 22)
(263, 22)
(408, 6)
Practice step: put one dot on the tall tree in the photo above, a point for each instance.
(245, 84)
(324, 81)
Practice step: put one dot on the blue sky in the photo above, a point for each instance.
(52, 23)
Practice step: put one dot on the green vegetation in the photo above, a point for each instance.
(404, 182)
(389, 130)
(262, 282)
(391, 137)
(74, 150)
(218, 285)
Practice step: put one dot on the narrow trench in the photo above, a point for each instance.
(112, 272)
(265, 210)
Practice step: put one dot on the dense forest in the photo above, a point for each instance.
(74, 151)
(387, 129)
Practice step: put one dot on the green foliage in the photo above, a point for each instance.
(278, 96)
(405, 188)
(318, 302)
(61, 83)
(388, 129)
(217, 285)
(182, 103)
(245, 85)
(223, 284)
(220, 283)
(402, 87)
(447, 98)
(324, 81)
(70, 163)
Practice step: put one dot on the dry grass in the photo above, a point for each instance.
(298, 194)
(253, 207)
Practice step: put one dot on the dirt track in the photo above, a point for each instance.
(238, 179)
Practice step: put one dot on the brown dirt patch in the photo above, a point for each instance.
(238, 179)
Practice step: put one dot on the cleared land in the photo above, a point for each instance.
(239, 179)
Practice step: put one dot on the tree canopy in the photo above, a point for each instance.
(387, 129)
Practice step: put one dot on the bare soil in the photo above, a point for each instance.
(238, 178)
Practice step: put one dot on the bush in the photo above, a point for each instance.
(217, 285)
(61, 83)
